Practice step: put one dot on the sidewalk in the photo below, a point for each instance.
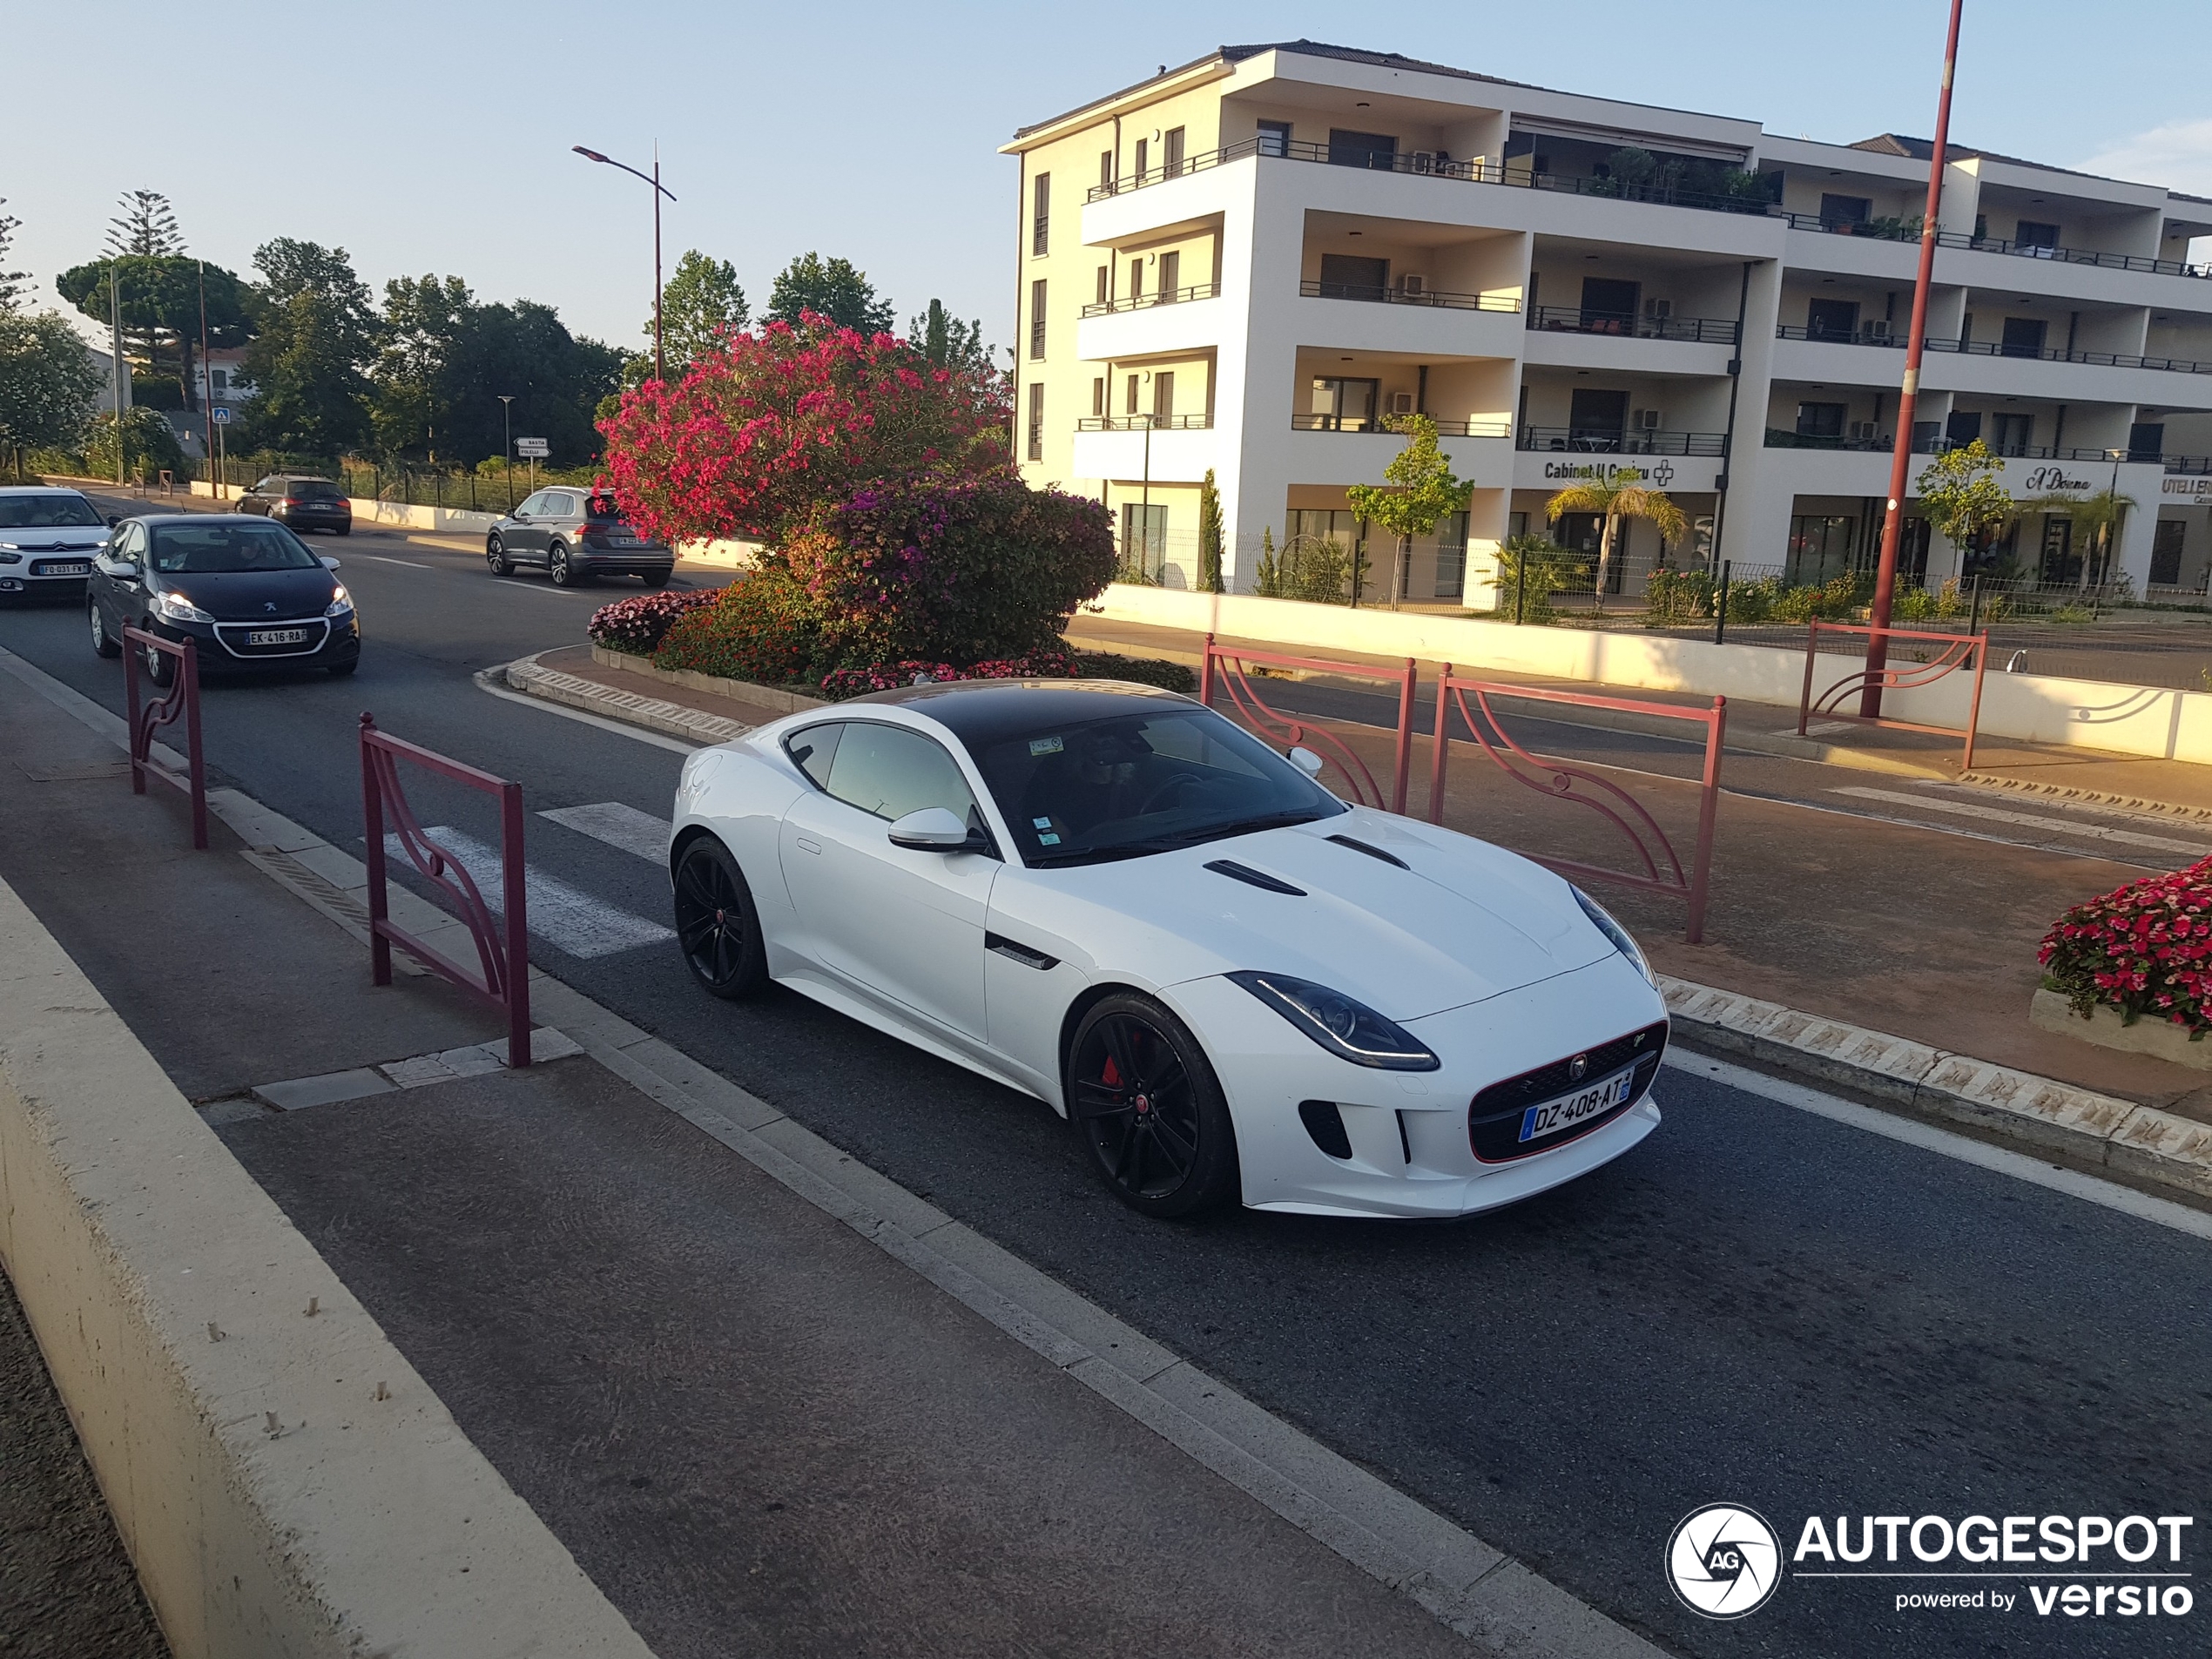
(766, 1400)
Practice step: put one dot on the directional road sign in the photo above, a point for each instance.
(532, 446)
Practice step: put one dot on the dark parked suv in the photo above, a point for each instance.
(300, 503)
(574, 535)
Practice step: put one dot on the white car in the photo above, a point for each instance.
(1231, 983)
(48, 538)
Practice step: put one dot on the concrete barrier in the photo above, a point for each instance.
(275, 1507)
(2037, 708)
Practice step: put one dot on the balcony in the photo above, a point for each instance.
(1144, 422)
(1573, 319)
(1783, 438)
(1586, 441)
(1146, 302)
(1879, 335)
(1439, 297)
(1473, 427)
(1908, 230)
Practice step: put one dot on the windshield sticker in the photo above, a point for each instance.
(1045, 746)
(1049, 840)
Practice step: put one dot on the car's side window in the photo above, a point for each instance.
(532, 505)
(134, 543)
(810, 750)
(560, 507)
(890, 772)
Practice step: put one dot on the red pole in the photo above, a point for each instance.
(1908, 396)
(1708, 808)
(1812, 645)
(139, 748)
(189, 667)
(518, 938)
(1437, 750)
(1405, 736)
(1205, 674)
(1973, 709)
(380, 947)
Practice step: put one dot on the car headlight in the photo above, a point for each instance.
(1348, 1029)
(340, 602)
(1613, 931)
(176, 608)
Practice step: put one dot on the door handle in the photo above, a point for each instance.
(805, 846)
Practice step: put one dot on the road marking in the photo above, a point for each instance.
(2021, 1166)
(2177, 819)
(383, 558)
(2029, 820)
(567, 918)
(619, 826)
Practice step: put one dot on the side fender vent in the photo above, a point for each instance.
(1325, 1124)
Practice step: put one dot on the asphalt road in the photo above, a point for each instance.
(1758, 1305)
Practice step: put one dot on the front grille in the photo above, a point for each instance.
(235, 637)
(1494, 1117)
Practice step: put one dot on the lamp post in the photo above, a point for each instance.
(115, 345)
(1877, 653)
(506, 452)
(660, 363)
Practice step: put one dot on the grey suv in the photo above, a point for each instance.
(574, 535)
(300, 504)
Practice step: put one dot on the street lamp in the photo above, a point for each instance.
(660, 365)
(507, 425)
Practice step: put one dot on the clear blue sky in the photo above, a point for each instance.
(429, 137)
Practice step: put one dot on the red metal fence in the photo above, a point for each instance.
(183, 702)
(1956, 649)
(1233, 677)
(1660, 866)
(502, 977)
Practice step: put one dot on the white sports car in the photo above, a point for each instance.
(1231, 983)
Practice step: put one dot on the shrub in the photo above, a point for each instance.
(1678, 595)
(1530, 570)
(1144, 671)
(1830, 602)
(962, 570)
(1753, 602)
(150, 444)
(884, 677)
(766, 629)
(638, 625)
(2145, 948)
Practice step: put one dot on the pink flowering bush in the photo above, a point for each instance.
(2145, 949)
(638, 625)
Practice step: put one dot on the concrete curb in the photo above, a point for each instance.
(286, 1485)
(653, 713)
(766, 697)
(2120, 1135)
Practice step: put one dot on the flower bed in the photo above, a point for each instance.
(2144, 950)
(637, 626)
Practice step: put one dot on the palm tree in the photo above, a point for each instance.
(1617, 503)
(2096, 519)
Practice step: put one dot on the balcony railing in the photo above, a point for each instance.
(1908, 230)
(1430, 165)
(1573, 319)
(1473, 427)
(1382, 295)
(1165, 297)
(1142, 422)
(1585, 441)
(1783, 438)
(1876, 334)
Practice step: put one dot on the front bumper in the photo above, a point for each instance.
(223, 650)
(32, 574)
(1410, 1152)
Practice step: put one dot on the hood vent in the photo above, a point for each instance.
(1245, 873)
(1372, 852)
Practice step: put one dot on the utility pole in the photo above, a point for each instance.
(206, 380)
(1878, 654)
(507, 427)
(115, 344)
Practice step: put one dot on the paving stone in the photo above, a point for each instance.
(298, 1092)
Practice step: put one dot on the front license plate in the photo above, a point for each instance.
(299, 637)
(1570, 1109)
(65, 569)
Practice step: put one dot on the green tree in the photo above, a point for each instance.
(830, 288)
(1420, 494)
(1962, 497)
(2097, 521)
(319, 335)
(524, 351)
(148, 444)
(410, 406)
(14, 284)
(1618, 503)
(146, 228)
(161, 308)
(950, 343)
(48, 385)
(701, 303)
(1208, 535)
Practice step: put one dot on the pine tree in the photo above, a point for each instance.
(14, 284)
(146, 226)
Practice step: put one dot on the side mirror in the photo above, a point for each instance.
(520, 518)
(1308, 762)
(114, 519)
(119, 570)
(329, 564)
(934, 829)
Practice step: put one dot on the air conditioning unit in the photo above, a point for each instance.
(1401, 402)
(1647, 419)
(1411, 283)
(1876, 330)
(1659, 310)
(1424, 161)
(1862, 431)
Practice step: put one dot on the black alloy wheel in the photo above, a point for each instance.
(654, 578)
(563, 570)
(717, 926)
(101, 643)
(495, 557)
(1144, 1103)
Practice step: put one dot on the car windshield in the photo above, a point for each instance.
(39, 512)
(313, 489)
(217, 550)
(1134, 784)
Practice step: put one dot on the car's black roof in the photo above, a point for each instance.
(985, 711)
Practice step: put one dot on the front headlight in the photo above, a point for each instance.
(1613, 931)
(1348, 1029)
(340, 602)
(176, 608)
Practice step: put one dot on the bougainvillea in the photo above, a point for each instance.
(925, 567)
(2145, 949)
(638, 625)
(756, 435)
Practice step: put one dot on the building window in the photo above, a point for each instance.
(1137, 279)
(1142, 146)
(1037, 319)
(1132, 396)
(2166, 552)
(1820, 548)
(1144, 538)
(1837, 211)
(1041, 215)
(1098, 398)
(1105, 284)
(1106, 169)
(1452, 558)
(1820, 420)
(1275, 137)
(1036, 420)
(2031, 234)
(1341, 405)
(1163, 396)
(219, 378)
(1832, 319)
(2011, 435)
(1174, 142)
(1171, 277)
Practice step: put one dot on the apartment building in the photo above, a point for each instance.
(1248, 264)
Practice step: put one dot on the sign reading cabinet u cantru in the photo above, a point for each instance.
(532, 449)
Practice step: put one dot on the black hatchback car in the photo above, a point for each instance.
(251, 595)
(301, 503)
(574, 535)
